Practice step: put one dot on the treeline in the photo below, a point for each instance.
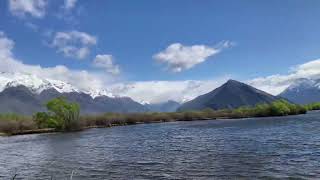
(277, 108)
(62, 115)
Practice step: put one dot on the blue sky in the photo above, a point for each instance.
(263, 38)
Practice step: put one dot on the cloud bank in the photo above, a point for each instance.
(161, 91)
(79, 78)
(275, 84)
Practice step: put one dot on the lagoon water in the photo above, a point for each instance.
(258, 148)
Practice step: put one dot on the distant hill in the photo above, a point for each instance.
(303, 91)
(232, 94)
(20, 99)
(169, 106)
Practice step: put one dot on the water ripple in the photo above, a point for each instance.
(263, 148)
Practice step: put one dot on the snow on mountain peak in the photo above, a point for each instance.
(96, 93)
(37, 84)
(302, 83)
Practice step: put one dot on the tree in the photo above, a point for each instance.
(62, 115)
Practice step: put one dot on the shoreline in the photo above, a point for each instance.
(52, 130)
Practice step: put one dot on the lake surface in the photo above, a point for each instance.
(259, 148)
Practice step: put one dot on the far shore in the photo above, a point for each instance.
(52, 130)
(13, 124)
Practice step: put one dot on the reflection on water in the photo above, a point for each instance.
(262, 148)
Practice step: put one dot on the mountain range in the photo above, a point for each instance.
(27, 94)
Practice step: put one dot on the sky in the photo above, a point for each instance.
(154, 51)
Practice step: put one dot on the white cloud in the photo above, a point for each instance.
(179, 57)
(79, 78)
(34, 8)
(275, 84)
(74, 44)
(69, 4)
(106, 62)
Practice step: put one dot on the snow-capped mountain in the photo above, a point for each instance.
(37, 84)
(303, 91)
(96, 93)
(27, 93)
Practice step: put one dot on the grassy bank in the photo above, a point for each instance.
(12, 124)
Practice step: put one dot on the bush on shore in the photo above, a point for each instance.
(62, 115)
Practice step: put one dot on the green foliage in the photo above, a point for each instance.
(61, 115)
(279, 108)
(276, 108)
(313, 106)
(41, 119)
(44, 120)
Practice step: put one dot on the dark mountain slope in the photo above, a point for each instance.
(169, 106)
(21, 100)
(232, 94)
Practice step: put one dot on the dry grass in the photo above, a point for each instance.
(12, 123)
